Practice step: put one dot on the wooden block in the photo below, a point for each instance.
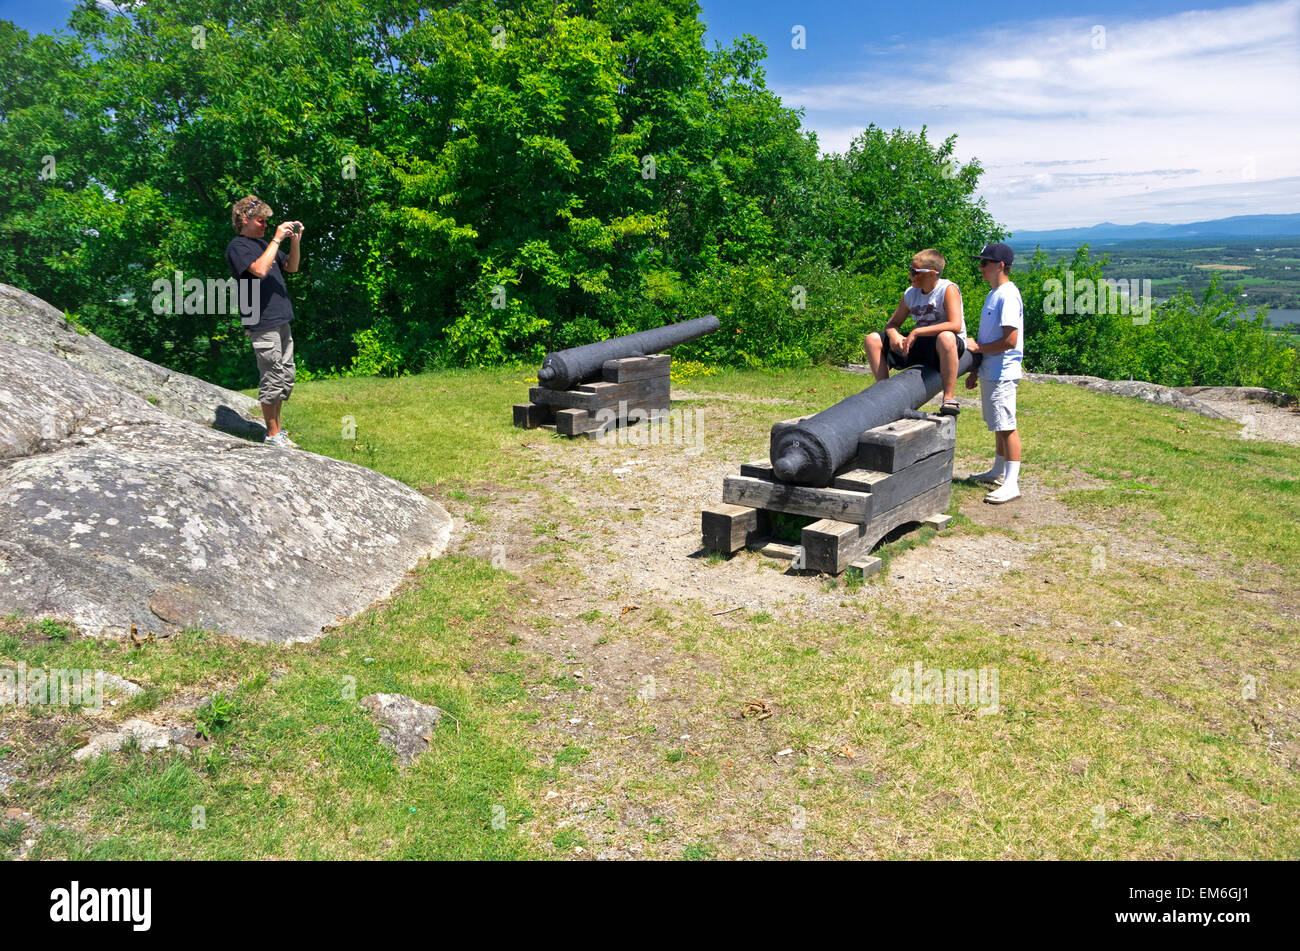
(797, 499)
(531, 415)
(573, 422)
(829, 544)
(611, 393)
(937, 522)
(868, 566)
(636, 368)
(832, 546)
(596, 396)
(759, 469)
(889, 489)
(729, 528)
(562, 399)
(913, 510)
(904, 442)
(780, 550)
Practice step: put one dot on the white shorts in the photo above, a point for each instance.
(999, 400)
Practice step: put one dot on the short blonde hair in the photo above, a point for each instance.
(932, 259)
(247, 207)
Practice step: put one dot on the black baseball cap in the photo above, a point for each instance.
(997, 252)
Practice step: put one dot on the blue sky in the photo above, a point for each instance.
(1080, 112)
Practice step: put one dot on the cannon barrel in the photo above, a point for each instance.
(565, 369)
(813, 451)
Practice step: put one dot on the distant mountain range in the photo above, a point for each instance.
(1239, 226)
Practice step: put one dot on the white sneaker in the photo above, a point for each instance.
(280, 441)
(1003, 493)
(988, 478)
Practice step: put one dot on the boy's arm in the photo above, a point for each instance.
(899, 315)
(896, 321)
(1004, 343)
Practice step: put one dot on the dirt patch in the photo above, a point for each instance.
(1259, 420)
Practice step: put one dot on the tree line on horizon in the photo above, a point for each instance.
(480, 182)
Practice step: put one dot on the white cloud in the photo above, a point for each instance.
(1188, 116)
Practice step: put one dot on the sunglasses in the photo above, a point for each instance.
(921, 270)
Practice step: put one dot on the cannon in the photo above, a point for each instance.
(604, 386)
(811, 451)
(565, 369)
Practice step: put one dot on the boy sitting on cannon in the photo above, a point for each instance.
(939, 337)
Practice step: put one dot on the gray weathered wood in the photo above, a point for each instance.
(597, 396)
(894, 488)
(636, 368)
(832, 548)
(729, 528)
(758, 469)
(573, 422)
(780, 550)
(532, 415)
(797, 499)
(829, 544)
(937, 522)
(900, 444)
(868, 566)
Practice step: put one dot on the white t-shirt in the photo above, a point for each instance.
(927, 309)
(1003, 308)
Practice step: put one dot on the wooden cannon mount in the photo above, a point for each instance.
(902, 474)
(630, 389)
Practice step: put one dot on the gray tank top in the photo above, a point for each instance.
(930, 308)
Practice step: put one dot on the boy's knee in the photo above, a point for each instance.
(872, 343)
(947, 341)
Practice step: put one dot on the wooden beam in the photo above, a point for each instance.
(894, 488)
(532, 415)
(636, 368)
(905, 442)
(729, 528)
(797, 499)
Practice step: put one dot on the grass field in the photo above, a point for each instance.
(1139, 608)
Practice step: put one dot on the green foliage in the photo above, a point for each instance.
(1189, 341)
(485, 181)
(528, 175)
(53, 629)
(216, 713)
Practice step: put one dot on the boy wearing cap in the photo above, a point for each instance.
(1001, 341)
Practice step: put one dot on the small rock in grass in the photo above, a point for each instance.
(147, 736)
(404, 724)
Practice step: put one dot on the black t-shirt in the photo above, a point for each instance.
(273, 299)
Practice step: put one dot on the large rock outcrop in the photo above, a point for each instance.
(1136, 389)
(113, 512)
(30, 321)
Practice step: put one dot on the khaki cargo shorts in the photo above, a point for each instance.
(273, 349)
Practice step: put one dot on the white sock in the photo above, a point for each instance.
(999, 467)
(1011, 474)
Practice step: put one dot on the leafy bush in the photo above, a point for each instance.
(1210, 341)
(215, 714)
